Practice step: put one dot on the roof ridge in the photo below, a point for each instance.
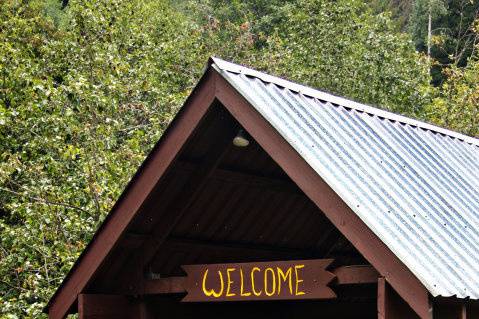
(334, 99)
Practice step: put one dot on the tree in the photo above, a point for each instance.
(84, 94)
(362, 56)
(444, 29)
(456, 105)
(424, 13)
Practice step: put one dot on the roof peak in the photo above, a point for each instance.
(223, 65)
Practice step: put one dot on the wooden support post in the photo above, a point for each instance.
(390, 304)
(144, 310)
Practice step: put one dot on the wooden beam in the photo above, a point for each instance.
(351, 275)
(345, 275)
(238, 249)
(107, 307)
(338, 212)
(126, 208)
(247, 179)
(168, 285)
(390, 304)
(133, 241)
(382, 299)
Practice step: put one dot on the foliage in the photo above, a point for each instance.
(400, 10)
(361, 57)
(80, 106)
(418, 22)
(453, 38)
(457, 103)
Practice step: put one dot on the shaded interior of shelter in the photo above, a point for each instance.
(248, 209)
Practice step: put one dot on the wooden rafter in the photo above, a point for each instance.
(243, 178)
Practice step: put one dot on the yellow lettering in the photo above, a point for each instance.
(242, 293)
(211, 292)
(273, 285)
(252, 281)
(228, 293)
(283, 277)
(296, 268)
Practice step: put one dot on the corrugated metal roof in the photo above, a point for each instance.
(414, 184)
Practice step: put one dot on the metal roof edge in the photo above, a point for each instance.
(314, 93)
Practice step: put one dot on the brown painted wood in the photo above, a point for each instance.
(238, 249)
(164, 307)
(275, 280)
(144, 311)
(350, 275)
(345, 275)
(242, 178)
(169, 285)
(353, 228)
(133, 241)
(133, 197)
(382, 299)
(390, 304)
(107, 307)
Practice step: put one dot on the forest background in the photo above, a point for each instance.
(87, 87)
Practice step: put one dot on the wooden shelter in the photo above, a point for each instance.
(208, 228)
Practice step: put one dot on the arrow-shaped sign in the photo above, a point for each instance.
(276, 280)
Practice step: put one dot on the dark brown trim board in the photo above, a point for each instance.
(348, 223)
(390, 304)
(107, 307)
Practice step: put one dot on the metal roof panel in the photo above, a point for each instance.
(414, 184)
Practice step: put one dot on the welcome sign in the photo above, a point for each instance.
(276, 280)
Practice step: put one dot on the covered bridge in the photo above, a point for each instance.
(265, 198)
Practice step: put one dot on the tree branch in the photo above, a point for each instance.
(44, 201)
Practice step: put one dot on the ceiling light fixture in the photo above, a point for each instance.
(241, 140)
